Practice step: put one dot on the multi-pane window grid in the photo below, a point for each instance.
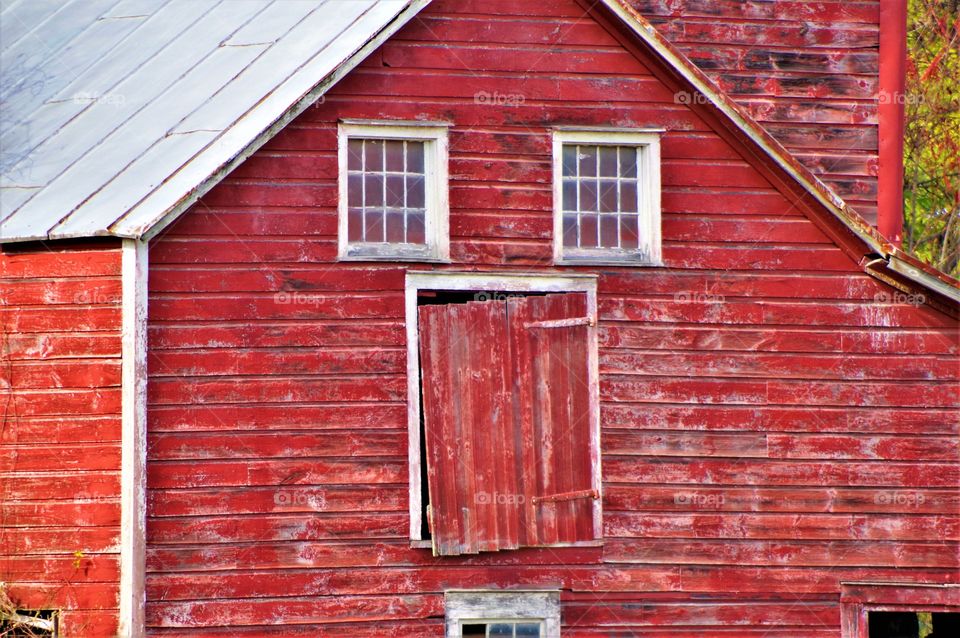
(386, 191)
(501, 629)
(601, 196)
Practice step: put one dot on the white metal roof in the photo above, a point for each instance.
(117, 114)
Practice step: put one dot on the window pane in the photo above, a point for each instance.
(386, 191)
(628, 161)
(628, 197)
(355, 225)
(354, 155)
(415, 230)
(415, 157)
(588, 160)
(394, 150)
(608, 196)
(608, 231)
(570, 194)
(395, 191)
(415, 192)
(945, 623)
(893, 624)
(608, 161)
(374, 221)
(588, 195)
(501, 629)
(374, 191)
(570, 230)
(395, 230)
(605, 191)
(355, 190)
(588, 231)
(528, 630)
(473, 630)
(374, 155)
(569, 160)
(629, 234)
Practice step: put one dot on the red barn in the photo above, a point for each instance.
(409, 319)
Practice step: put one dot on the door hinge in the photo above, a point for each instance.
(566, 496)
(561, 323)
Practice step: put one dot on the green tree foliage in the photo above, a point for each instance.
(932, 138)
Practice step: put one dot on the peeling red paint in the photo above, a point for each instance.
(774, 420)
(60, 437)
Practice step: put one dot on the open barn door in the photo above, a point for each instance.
(506, 404)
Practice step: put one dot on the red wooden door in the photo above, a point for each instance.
(507, 426)
(550, 355)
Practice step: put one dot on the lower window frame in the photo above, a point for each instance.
(462, 606)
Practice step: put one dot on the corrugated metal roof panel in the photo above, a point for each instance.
(116, 112)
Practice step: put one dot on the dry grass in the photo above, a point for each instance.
(19, 624)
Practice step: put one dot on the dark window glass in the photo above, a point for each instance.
(528, 630)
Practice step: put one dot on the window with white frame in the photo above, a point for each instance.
(393, 191)
(607, 196)
(504, 614)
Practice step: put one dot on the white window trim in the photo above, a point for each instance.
(437, 216)
(507, 283)
(465, 606)
(648, 183)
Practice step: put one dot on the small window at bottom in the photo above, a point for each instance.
(28, 623)
(502, 614)
(501, 629)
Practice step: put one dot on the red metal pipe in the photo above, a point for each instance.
(893, 59)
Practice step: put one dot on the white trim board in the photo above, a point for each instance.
(492, 282)
(133, 457)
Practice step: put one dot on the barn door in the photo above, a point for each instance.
(549, 337)
(471, 462)
(506, 422)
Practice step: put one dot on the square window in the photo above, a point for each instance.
(502, 614)
(393, 192)
(607, 197)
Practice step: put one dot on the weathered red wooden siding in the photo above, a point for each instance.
(807, 70)
(774, 421)
(60, 436)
